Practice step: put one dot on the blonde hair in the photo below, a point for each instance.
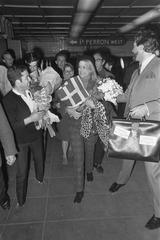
(91, 67)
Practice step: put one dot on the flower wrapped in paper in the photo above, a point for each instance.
(42, 101)
(42, 89)
(110, 88)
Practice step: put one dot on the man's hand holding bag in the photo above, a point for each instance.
(134, 139)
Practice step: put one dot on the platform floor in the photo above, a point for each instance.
(50, 214)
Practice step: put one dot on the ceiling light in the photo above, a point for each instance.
(87, 5)
(142, 19)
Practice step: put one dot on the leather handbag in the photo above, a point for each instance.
(134, 139)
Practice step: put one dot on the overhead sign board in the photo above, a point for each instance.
(98, 41)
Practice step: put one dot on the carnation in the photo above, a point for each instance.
(111, 89)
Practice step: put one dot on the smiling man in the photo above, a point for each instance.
(22, 115)
(99, 59)
(142, 99)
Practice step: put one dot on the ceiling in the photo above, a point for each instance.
(42, 19)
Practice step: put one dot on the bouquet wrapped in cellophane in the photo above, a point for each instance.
(42, 100)
(41, 91)
(110, 88)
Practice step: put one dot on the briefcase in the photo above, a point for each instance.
(134, 139)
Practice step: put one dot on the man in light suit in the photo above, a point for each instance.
(143, 100)
(8, 144)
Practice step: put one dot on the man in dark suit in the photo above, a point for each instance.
(99, 58)
(142, 99)
(8, 144)
(22, 115)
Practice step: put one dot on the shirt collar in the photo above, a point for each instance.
(28, 93)
(146, 62)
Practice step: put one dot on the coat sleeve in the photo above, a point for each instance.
(6, 135)
(2, 79)
(153, 106)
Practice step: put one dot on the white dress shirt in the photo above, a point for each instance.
(27, 99)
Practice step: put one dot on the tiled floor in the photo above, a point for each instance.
(50, 214)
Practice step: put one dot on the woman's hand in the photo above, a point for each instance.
(89, 102)
(73, 113)
(10, 159)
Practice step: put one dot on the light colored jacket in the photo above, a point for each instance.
(144, 88)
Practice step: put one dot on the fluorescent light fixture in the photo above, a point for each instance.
(76, 28)
(142, 19)
(84, 10)
(122, 63)
(127, 27)
(87, 5)
(81, 18)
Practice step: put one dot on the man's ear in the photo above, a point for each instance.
(141, 47)
(18, 82)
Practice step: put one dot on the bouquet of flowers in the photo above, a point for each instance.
(110, 88)
(41, 91)
(42, 101)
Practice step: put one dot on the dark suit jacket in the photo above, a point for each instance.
(17, 110)
(6, 136)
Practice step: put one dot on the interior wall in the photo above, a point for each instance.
(16, 46)
(3, 45)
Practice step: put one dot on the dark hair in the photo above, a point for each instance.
(15, 73)
(100, 53)
(63, 53)
(110, 60)
(8, 51)
(69, 65)
(149, 39)
(31, 57)
(12, 53)
(103, 52)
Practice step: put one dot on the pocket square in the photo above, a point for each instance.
(151, 75)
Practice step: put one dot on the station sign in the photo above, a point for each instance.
(97, 41)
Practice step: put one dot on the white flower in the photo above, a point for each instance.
(111, 89)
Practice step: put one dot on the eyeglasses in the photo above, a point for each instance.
(68, 71)
(98, 59)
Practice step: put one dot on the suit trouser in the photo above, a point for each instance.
(2, 186)
(99, 152)
(22, 164)
(83, 150)
(126, 171)
(153, 174)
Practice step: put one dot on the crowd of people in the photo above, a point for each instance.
(83, 125)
